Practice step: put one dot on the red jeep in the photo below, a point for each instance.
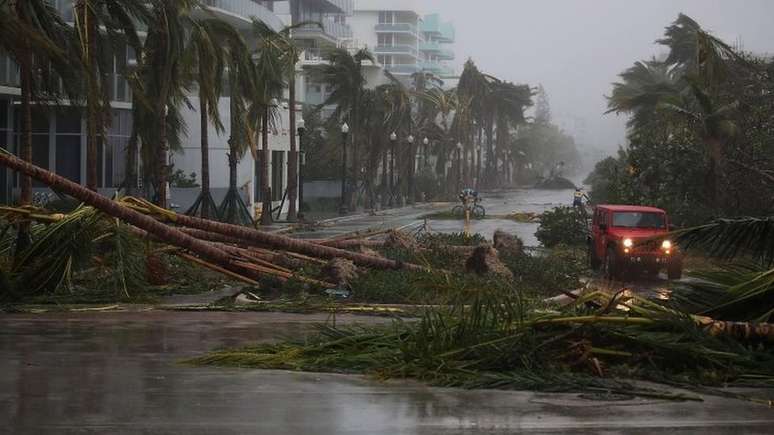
(629, 238)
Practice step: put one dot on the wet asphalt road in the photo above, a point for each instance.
(119, 373)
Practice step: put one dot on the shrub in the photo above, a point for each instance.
(562, 225)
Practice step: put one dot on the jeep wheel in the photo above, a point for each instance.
(591, 256)
(610, 267)
(675, 270)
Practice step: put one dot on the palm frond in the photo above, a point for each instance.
(729, 238)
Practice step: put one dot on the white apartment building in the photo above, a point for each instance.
(403, 41)
(59, 137)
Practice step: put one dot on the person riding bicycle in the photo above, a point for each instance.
(468, 194)
(578, 197)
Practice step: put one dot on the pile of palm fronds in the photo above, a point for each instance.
(495, 339)
(83, 240)
(742, 290)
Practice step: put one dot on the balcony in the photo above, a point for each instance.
(402, 69)
(396, 28)
(338, 6)
(313, 56)
(244, 10)
(408, 50)
(331, 31)
(439, 69)
(437, 49)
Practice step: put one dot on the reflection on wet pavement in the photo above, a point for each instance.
(119, 373)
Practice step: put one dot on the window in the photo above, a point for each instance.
(385, 39)
(384, 59)
(68, 157)
(386, 17)
(638, 220)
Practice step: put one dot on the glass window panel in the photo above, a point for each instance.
(68, 157)
(40, 154)
(68, 121)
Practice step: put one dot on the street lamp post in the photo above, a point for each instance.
(302, 161)
(459, 166)
(344, 132)
(478, 166)
(426, 141)
(393, 138)
(412, 170)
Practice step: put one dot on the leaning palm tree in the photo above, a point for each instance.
(160, 88)
(344, 74)
(205, 56)
(509, 102)
(35, 37)
(103, 27)
(474, 88)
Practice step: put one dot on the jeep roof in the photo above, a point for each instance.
(632, 208)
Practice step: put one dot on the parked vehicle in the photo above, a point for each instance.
(629, 239)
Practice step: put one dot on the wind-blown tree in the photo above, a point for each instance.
(33, 34)
(207, 60)
(161, 86)
(508, 102)
(344, 75)
(104, 28)
(686, 85)
(444, 105)
(474, 89)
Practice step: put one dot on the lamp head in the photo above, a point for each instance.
(426, 141)
(393, 136)
(411, 139)
(345, 128)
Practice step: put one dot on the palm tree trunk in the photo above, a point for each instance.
(385, 189)
(293, 157)
(265, 186)
(94, 118)
(715, 172)
(205, 140)
(163, 232)
(161, 162)
(25, 146)
(130, 183)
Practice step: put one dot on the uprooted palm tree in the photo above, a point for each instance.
(35, 37)
(208, 59)
(104, 29)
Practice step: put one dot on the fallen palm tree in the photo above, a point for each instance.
(252, 237)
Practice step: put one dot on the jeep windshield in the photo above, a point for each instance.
(639, 220)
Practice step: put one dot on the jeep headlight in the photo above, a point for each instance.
(666, 244)
(628, 243)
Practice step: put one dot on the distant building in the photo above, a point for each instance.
(402, 40)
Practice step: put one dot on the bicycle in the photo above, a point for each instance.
(476, 210)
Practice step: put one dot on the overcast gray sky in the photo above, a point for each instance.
(576, 48)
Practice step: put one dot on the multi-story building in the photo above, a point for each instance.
(59, 136)
(403, 41)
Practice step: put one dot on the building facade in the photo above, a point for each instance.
(403, 40)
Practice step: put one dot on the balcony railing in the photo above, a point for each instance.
(329, 27)
(247, 9)
(438, 69)
(342, 6)
(397, 49)
(398, 68)
(397, 27)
